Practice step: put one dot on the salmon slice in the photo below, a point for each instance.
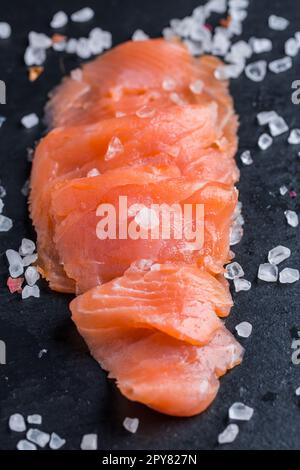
(131, 77)
(141, 328)
(179, 300)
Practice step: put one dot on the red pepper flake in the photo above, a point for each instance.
(208, 26)
(293, 194)
(225, 22)
(15, 285)
(58, 38)
(34, 72)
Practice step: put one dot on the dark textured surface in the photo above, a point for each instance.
(66, 386)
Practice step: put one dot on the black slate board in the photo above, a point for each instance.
(66, 386)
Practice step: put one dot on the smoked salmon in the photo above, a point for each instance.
(136, 137)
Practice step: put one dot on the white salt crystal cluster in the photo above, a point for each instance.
(244, 329)
(229, 434)
(5, 223)
(131, 424)
(256, 71)
(240, 412)
(114, 148)
(15, 262)
(89, 442)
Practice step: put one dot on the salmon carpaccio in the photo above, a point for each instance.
(148, 122)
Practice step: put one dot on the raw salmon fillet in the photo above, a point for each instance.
(129, 124)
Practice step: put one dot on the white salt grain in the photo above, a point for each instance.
(246, 158)
(278, 23)
(56, 442)
(93, 172)
(15, 262)
(236, 234)
(89, 442)
(1, 206)
(265, 141)
(83, 48)
(39, 40)
(278, 254)
(196, 87)
(34, 56)
(292, 218)
(280, 65)
(131, 424)
(114, 148)
(38, 437)
(283, 190)
(297, 391)
(34, 419)
(29, 259)
(256, 71)
(168, 84)
(278, 126)
(30, 120)
(234, 270)
(17, 423)
(5, 223)
(5, 30)
(145, 112)
(59, 20)
(25, 445)
(139, 35)
(71, 46)
(31, 275)
(27, 247)
(85, 14)
(244, 329)
(2, 120)
(229, 434)
(240, 412)
(294, 137)
(241, 285)
(267, 272)
(289, 276)
(291, 47)
(265, 117)
(30, 291)
(260, 45)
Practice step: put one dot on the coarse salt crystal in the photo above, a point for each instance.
(294, 137)
(278, 126)
(139, 35)
(291, 47)
(278, 23)
(236, 234)
(29, 259)
(30, 120)
(34, 56)
(145, 112)
(260, 45)
(256, 71)
(131, 424)
(42, 352)
(229, 434)
(196, 87)
(241, 285)
(268, 272)
(5, 30)
(89, 442)
(80, 16)
(244, 329)
(59, 20)
(114, 148)
(297, 391)
(168, 84)
(278, 254)
(240, 412)
(283, 190)
(2, 191)
(83, 48)
(38, 437)
(39, 40)
(2, 120)
(292, 218)
(265, 117)
(17, 423)
(16, 268)
(56, 442)
(234, 270)
(265, 141)
(25, 445)
(71, 46)
(246, 158)
(31, 275)
(5, 223)
(288, 276)
(280, 65)
(93, 172)
(34, 419)
(27, 247)
(30, 291)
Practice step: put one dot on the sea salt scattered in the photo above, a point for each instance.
(16, 268)
(59, 20)
(260, 45)
(29, 259)
(34, 56)
(31, 275)
(59, 46)
(240, 412)
(139, 35)
(38, 437)
(283, 190)
(17, 423)
(30, 120)
(265, 117)
(291, 47)
(56, 442)
(30, 291)
(89, 442)
(229, 434)
(265, 141)
(83, 48)
(39, 40)
(34, 419)
(5, 30)
(234, 270)
(294, 137)
(114, 148)
(71, 46)
(246, 158)
(241, 285)
(278, 23)
(228, 71)
(292, 218)
(131, 424)
(25, 445)
(80, 16)
(278, 126)
(93, 172)
(27, 247)
(145, 112)
(244, 329)
(280, 65)
(278, 254)
(268, 272)
(5, 223)
(256, 71)
(288, 276)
